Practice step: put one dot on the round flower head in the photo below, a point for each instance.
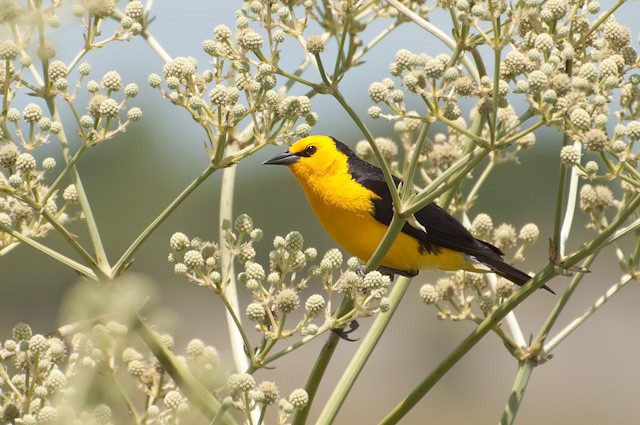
(315, 45)
(56, 380)
(334, 257)
(256, 312)
(240, 382)
(32, 113)
(13, 115)
(134, 114)
(387, 147)
(580, 118)
(222, 33)
(303, 130)
(529, 233)
(48, 415)
(131, 90)
(378, 92)
(112, 81)
(544, 42)
(595, 140)
(504, 236)
(299, 398)
(429, 294)
(8, 155)
(250, 40)
(446, 288)
(21, 331)
(8, 50)
(287, 300)
(314, 304)
(172, 399)
(154, 80)
(135, 10)
(244, 224)
(270, 392)
(26, 162)
(109, 108)
(569, 155)
(504, 288)
(86, 121)
(464, 86)
(57, 69)
(193, 259)
(93, 86)
(633, 131)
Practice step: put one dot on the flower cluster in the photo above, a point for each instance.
(246, 395)
(456, 295)
(237, 85)
(42, 378)
(277, 289)
(29, 206)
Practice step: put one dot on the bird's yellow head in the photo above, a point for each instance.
(313, 157)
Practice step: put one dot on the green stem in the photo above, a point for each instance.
(72, 162)
(365, 131)
(394, 229)
(562, 302)
(83, 270)
(445, 180)
(201, 398)
(124, 260)
(551, 344)
(517, 392)
(467, 344)
(557, 223)
(415, 158)
(92, 227)
(321, 364)
(239, 341)
(339, 394)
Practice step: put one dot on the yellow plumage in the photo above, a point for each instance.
(352, 202)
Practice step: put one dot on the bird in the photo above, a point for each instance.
(351, 199)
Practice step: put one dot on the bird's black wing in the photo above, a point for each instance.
(442, 229)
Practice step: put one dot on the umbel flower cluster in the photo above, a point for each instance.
(30, 185)
(575, 70)
(276, 289)
(44, 379)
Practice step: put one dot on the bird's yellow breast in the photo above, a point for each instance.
(345, 210)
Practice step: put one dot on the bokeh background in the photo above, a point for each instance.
(592, 379)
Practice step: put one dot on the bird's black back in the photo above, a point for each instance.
(442, 229)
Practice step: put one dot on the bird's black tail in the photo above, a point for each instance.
(509, 272)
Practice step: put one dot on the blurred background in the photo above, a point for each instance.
(592, 378)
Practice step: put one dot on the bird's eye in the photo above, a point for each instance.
(310, 150)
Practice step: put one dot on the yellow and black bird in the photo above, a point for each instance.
(352, 201)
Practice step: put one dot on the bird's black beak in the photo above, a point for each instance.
(284, 158)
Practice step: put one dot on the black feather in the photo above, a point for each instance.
(442, 229)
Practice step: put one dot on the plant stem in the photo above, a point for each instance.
(83, 270)
(467, 344)
(562, 302)
(201, 398)
(572, 197)
(321, 364)
(126, 257)
(230, 291)
(339, 394)
(365, 131)
(394, 229)
(517, 392)
(92, 227)
(551, 344)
